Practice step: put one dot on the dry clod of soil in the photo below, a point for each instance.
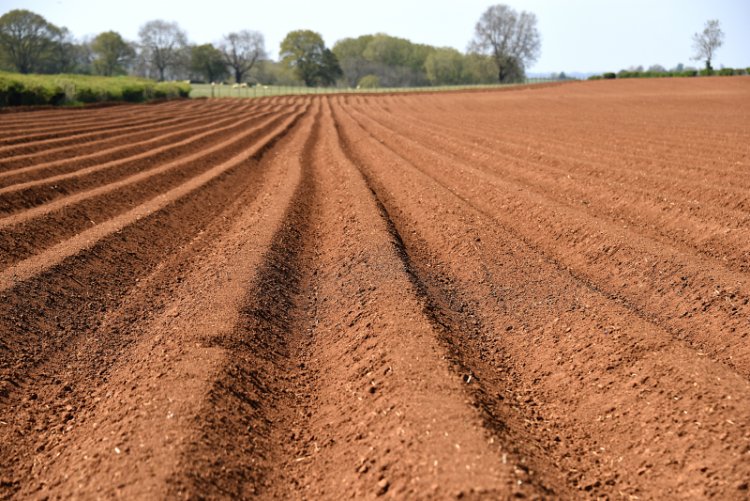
(540, 293)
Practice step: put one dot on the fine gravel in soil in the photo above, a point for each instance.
(542, 292)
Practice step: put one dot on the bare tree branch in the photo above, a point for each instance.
(707, 42)
(241, 51)
(163, 42)
(510, 37)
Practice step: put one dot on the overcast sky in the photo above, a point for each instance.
(577, 35)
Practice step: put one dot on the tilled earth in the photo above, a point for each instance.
(541, 293)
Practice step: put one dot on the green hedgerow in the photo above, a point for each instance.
(18, 90)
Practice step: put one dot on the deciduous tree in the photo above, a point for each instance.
(305, 52)
(445, 67)
(657, 68)
(350, 54)
(479, 69)
(111, 53)
(162, 42)
(62, 55)
(208, 62)
(329, 71)
(396, 62)
(707, 42)
(241, 51)
(510, 37)
(27, 40)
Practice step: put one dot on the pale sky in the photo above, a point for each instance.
(577, 35)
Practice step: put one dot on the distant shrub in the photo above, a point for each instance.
(652, 73)
(87, 95)
(159, 93)
(183, 89)
(369, 82)
(171, 90)
(26, 90)
(29, 92)
(133, 93)
(669, 74)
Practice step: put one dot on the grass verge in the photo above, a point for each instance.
(223, 90)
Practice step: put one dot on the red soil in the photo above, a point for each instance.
(539, 293)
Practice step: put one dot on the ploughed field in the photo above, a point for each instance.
(541, 292)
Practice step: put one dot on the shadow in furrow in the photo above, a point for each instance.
(46, 315)
(250, 409)
(460, 329)
(42, 157)
(715, 311)
(237, 135)
(78, 212)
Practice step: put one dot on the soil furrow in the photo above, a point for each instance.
(260, 383)
(52, 256)
(43, 123)
(154, 416)
(569, 349)
(469, 295)
(620, 262)
(65, 151)
(35, 230)
(386, 415)
(716, 235)
(126, 246)
(609, 147)
(75, 130)
(129, 146)
(43, 117)
(28, 198)
(646, 155)
(611, 159)
(611, 165)
(454, 322)
(132, 126)
(33, 143)
(623, 114)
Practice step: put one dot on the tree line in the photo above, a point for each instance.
(31, 44)
(705, 45)
(505, 42)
